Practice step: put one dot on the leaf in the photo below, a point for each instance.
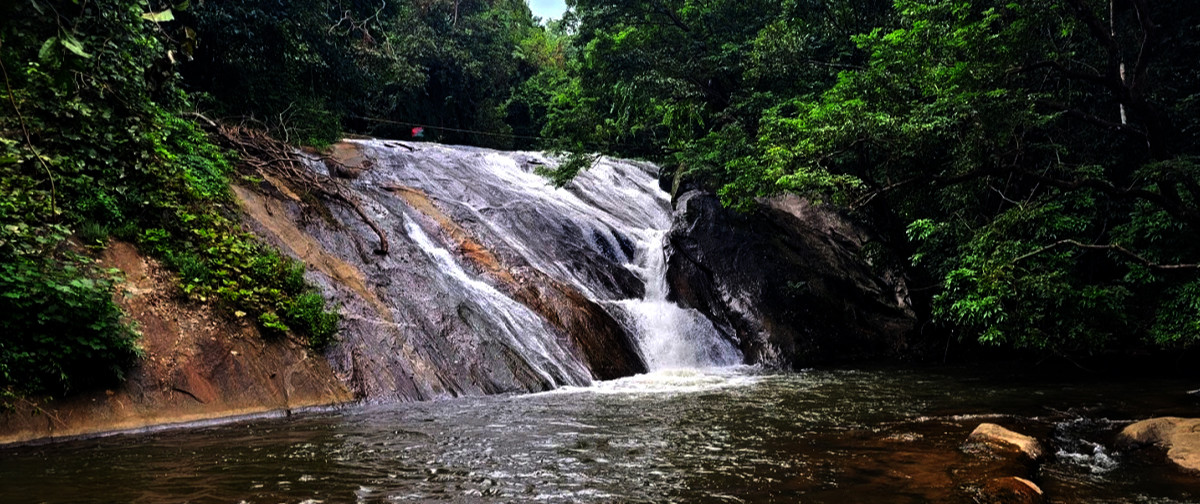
(183, 6)
(73, 45)
(160, 16)
(47, 50)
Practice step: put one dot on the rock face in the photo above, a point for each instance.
(1179, 436)
(494, 282)
(198, 366)
(791, 283)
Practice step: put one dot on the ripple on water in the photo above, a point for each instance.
(669, 381)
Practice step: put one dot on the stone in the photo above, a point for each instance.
(1010, 490)
(792, 283)
(1180, 437)
(484, 258)
(992, 435)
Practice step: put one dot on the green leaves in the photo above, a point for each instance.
(162, 16)
(73, 45)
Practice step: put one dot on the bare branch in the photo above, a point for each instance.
(269, 155)
(1113, 247)
(1096, 120)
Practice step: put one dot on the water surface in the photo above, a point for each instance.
(736, 435)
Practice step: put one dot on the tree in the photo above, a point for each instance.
(1035, 151)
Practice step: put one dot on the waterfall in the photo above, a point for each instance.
(670, 336)
(510, 323)
(496, 280)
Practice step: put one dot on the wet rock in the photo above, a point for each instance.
(1009, 490)
(790, 282)
(347, 160)
(495, 281)
(992, 437)
(604, 345)
(1180, 437)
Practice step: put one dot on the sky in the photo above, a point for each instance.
(548, 9)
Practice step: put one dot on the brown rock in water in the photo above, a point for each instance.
(1010, 490)
(990, 436)
(1179, 436)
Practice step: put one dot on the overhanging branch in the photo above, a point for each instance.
(1113, 247)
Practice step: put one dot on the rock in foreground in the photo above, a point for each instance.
(989, 434)
(1179, 436)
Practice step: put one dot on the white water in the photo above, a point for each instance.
(519, 328)
(670, 336)
(613, 215)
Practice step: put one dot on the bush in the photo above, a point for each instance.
(103, 148)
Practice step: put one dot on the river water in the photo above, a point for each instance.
(727, 435)
(697, 428)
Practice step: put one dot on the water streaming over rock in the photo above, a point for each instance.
(668, 335)
(496, 281)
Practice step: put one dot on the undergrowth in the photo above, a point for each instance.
(93, 144)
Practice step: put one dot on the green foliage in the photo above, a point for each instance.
(310, 69)
(61, 330)
(1042, 156)
(93, 145)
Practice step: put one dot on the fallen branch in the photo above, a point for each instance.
(270, 156)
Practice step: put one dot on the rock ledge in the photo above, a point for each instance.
(1179, 436)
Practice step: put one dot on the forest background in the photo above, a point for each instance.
(1034, 163)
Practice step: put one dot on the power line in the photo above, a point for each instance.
(446, 128)
(600, 146)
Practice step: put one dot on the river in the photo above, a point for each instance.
(727, 435)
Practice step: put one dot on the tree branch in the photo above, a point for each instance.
(28, 140)
(1098, 79)
(1145, 52)
(1098, 31)
(1096, 120)
(1113, 247)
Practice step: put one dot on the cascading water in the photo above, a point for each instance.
(496, 280)
(511, 323)
(669, 336)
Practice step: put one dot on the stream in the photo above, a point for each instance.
(721, 435)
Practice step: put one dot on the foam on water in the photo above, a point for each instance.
(672, 381)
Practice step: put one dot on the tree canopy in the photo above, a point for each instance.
(1039, 157)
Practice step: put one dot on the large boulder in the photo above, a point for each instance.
(991, 436)
(1180, 437)
(999, 465)
(791, 282)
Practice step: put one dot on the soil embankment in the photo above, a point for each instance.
(198, 365)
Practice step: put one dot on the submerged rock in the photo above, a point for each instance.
(990, 436)
(1009, 490)
(792, 283)
(1180, 437)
